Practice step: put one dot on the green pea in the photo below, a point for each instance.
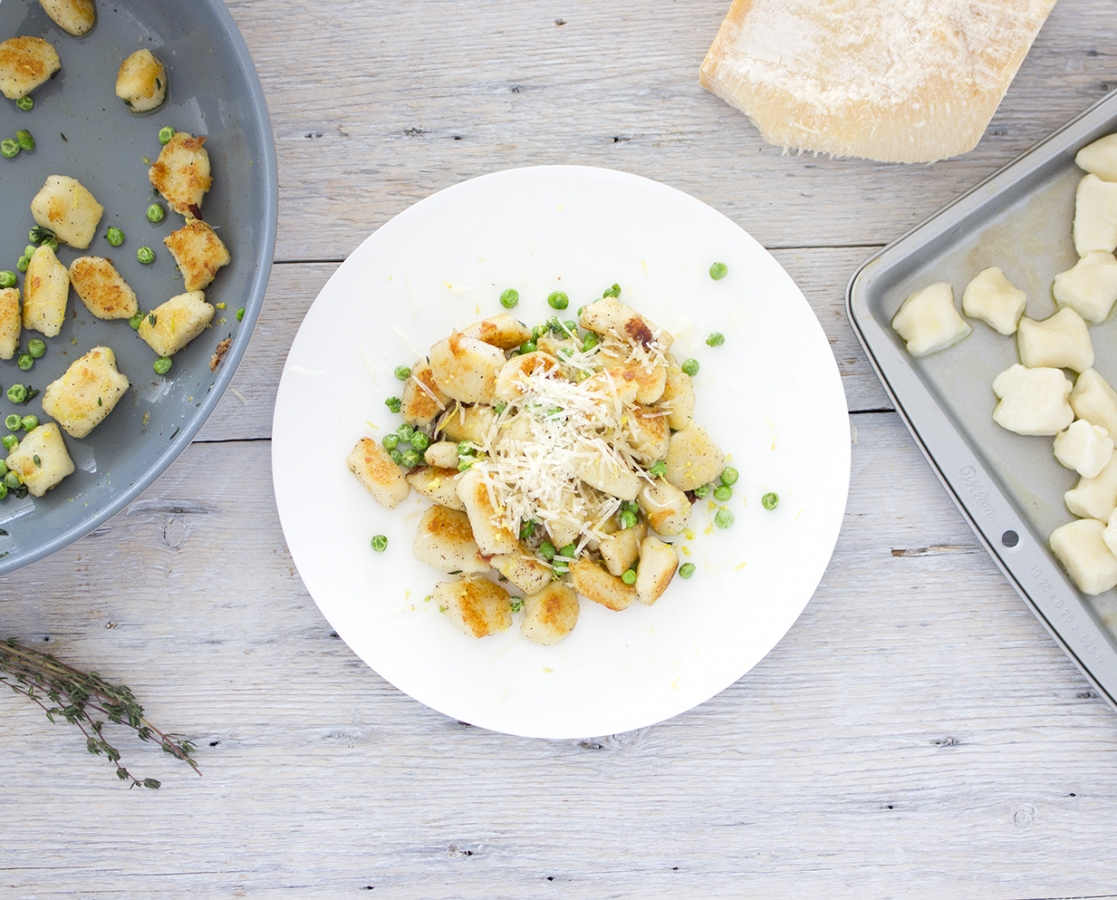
(3, 490)
(690, 367)
(8, 278)
(715, 340)
(527, 347)
(25, 141)
(629, 576)
(12, 422)
(12, 481)
(394, 404)
(570, 327)
(405, 432)
(420, 441)
(465, 448)
(165, 134)
(628, 519)
(703, 491)
(23, 263)
(135, 321)
(17, 393)
(464, 465)
(162, 365)
(10, 442)
(402, 373)
(391, 441)
(9, 149)
(538, 331)
(614, 291)
(729, 475)
(38, 234)
(26, 103)
(722, 493)
(115, 237)
(547, 550)
(569, 551)
(658, 469)
(558, 300)
(36, 348)
(397, 456)
(589, 342)
(686, 570)
(3, 468)
(509, 298)
(527, 529)
(581, 309)
(718, 271)
(25, 361)
(29, 423)
(145, 255)
(379, 543)
(411, 458)
(156, 213)
(29, 250)
(240, 314)
(770, 501)
(724, 518)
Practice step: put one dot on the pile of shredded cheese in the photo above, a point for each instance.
(535, 447)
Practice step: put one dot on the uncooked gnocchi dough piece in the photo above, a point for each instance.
(1095, 498)
(1084, 447)
(1110, 533)
(1100, 158)
(995, 300)
(1061, 341)
(1095, 215)
(1095, 401)
(1082, 551)
(1090, 288)
(1032, 401)
(929, 322)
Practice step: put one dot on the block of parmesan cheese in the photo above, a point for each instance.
(890, 80)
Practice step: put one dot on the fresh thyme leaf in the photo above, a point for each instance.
(77, 697)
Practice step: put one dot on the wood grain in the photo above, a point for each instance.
(429, 94)
(916, 733)
(916, 726)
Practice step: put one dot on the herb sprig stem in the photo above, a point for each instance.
(78, 697)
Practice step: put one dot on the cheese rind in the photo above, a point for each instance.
(881, 79)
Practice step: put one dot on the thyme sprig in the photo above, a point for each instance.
(78, 697)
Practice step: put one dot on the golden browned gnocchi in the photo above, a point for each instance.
(174, 324)
(66, 207)
(182, 174)
(75, 17)
(86, 393)
(559, 463)
(141, 81)
(198, 252)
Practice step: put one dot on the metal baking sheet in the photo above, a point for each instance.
(1009, 487)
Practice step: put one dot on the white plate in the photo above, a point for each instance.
(770, 396)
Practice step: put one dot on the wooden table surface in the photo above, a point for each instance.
(916, 732)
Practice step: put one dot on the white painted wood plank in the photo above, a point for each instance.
(916, 727)
(379, 105)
